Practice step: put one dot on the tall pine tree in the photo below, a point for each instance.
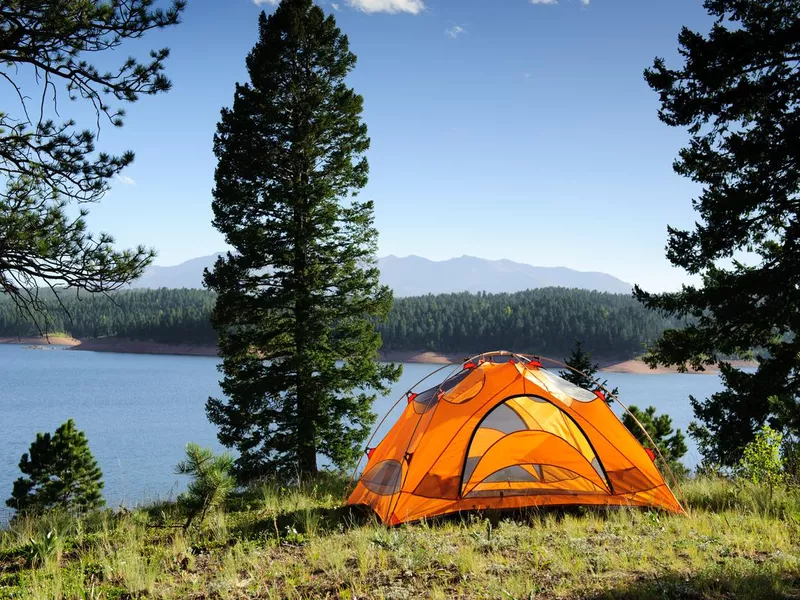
(738, 93)
(299, 298)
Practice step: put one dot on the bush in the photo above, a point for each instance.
(761, 462)
(61, 473)
(212, 481)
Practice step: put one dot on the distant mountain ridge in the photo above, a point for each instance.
(417, 276)
(188, 274)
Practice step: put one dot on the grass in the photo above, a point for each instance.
(274, 542)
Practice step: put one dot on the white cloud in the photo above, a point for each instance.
(585, 2)
(391, 6)
(455, 31)
(124, 179)
(335, 6)
(544, 1)
(270, 2)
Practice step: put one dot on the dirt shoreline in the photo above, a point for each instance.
(634, 366)
(123, 345)
(53, 340)
(119, 345)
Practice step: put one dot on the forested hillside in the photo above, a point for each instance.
(546, 320)
(165, 315)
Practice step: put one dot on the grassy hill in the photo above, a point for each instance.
(299, 543)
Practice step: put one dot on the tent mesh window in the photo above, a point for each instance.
(464, 386)
(384, 478)
(512, 445)
(426, 400)
(461, 387)
(570, 389)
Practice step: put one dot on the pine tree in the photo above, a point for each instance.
(46, 163)
(299, 298)
(671, 444)
(585, 373)
(212, 481)
(738, 93)
(60, 473)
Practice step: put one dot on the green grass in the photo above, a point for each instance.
(274, 542)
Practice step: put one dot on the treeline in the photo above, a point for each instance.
(163, 315)
(545, 320)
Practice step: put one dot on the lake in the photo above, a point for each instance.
(139, 411)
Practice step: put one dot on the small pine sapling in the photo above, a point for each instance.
(212, 481)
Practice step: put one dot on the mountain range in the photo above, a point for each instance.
(417, 276)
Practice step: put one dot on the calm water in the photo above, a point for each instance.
(139, 411)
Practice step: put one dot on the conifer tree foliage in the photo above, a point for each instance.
(671, 443)
(212, 481)
(298, 299)
(46, 162)
(59, 472)
(738, 93)
(585, 373)
(543, 321)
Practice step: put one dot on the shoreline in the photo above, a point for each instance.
(127, 346)
(116, 345)
(53, 340)
(633, 366)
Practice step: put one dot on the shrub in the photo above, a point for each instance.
(212, 481)
(61, 473)
(761, 462)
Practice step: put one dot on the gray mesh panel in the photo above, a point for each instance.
(531, 492)
(472, 462)
(510, 474)
(570, 389)
(426, 400)
(599, 469)
(505, 419)
(453, 381)
(384, 478)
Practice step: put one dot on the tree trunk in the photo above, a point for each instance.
(306, 409)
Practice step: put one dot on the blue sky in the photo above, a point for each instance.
(500, 129)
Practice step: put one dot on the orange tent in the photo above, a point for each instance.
(506, 433)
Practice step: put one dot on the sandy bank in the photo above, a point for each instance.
(431, 358)
(638, 367)
(53, 340)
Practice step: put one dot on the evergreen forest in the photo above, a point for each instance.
(545, 321)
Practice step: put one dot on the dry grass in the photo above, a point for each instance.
(297, 543)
